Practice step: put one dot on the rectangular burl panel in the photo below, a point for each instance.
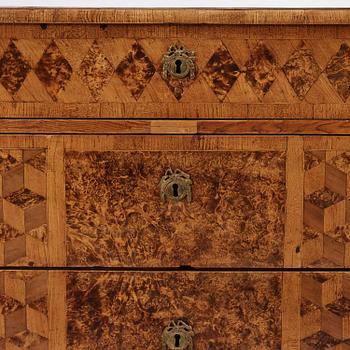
(115, 216)
(326, 241)
(130, 310)
(113, 71)
(24, 310)
(23, 214)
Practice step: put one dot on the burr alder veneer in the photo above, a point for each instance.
(174, 179)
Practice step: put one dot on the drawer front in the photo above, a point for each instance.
(234, 214)
(239, 71)
(225, 310)
(251, 201)
(127, 311)
(121, 209)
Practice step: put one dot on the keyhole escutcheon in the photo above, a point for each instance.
(177, 340)
(178, 64)
(175, 190)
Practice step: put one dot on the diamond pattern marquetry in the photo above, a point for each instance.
(136, 70)
(326, 209)
(338, 71)
(53, 70)
(23, 222)
(95, 70)
(248, 67)
(302, 70)
(221, 72)
(13, 69)
(23, 310)
(325, 311)
(261, 69)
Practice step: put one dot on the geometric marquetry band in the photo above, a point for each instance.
(99, 67)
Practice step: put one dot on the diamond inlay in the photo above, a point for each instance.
(13, 69)
(341, 307)
(324, 198)
(9, 305)
(29, 340)
(260, 69)
(338, 71)
(301, 70)
(53, 70)
(95, 70)
(8, 160)
(221, 72)
(24, 198)
(321, 340)
(136, 70)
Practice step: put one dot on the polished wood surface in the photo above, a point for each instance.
(173, 127)
(115, 71)
(288, 310)
(173, 15)
(92, 257)
(51, 184)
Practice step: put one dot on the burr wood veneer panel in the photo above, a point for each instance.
(236, 217)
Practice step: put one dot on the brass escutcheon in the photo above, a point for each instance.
(175, 185)
(179, 62)
(177, 336)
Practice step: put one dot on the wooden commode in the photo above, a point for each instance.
(174, 179)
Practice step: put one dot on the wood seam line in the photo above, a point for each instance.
(294, 203)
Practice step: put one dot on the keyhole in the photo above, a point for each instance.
(175, 190)
(177, 340)
(178, 64)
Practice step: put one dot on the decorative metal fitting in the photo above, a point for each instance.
(175, 185)
(177, 336)
(179, 62)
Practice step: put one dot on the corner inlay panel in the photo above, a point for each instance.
(326, 241)
(23, 217)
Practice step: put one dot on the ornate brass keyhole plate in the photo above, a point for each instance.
(175, 185)
(177, 336)
(179, 63)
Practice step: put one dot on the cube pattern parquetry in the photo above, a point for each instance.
(325, 311)
(326, 241)
(23, 222)
(23, 310)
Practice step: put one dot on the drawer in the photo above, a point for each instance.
(100, 201)
(244, 66)
(243, 201)
(225, 310)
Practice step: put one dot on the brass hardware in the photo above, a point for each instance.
(177, 336)
(179, 63)
(175, 185)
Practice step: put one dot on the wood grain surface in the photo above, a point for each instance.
(97, 199)
(254, 310)
(184, 16)
(115, 71)
(188, 127)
